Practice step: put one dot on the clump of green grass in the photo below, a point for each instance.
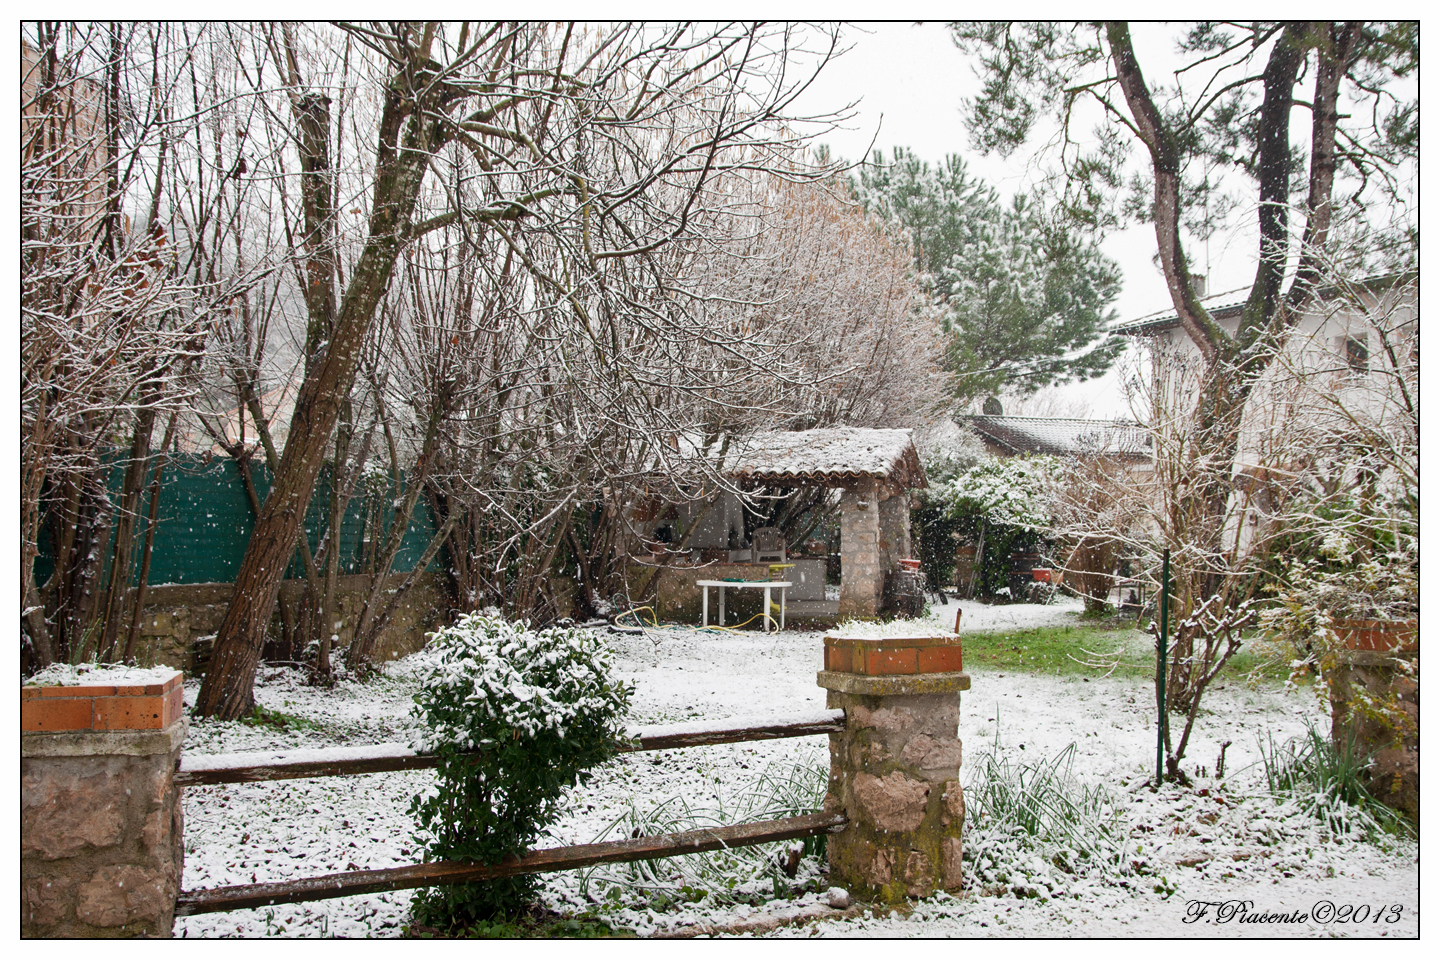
(1042, 800)
(1328, 783)
(1086, 650)
(277, 720)
(1035, 828)
(1104, 615)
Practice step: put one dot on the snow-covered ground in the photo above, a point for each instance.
(1185, 846)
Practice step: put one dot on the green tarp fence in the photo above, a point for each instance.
(205, 520)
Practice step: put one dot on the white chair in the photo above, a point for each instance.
(767, 546)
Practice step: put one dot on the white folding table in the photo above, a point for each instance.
(765, 585)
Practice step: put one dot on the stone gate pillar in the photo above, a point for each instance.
(895, 770)
(100, 816)
(1391, 678)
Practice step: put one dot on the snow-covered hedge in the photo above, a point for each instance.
(1019, 491)
(517, 716)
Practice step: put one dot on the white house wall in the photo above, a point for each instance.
(1314, 361)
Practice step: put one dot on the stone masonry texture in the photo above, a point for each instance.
(180, 619)
(862, 571)
(1394, 776)
(895, 772)
(101, 849)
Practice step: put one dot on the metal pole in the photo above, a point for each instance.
(1165, 643)
(1162, 725)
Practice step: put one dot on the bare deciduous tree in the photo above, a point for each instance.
(110, 328)
(579, 152)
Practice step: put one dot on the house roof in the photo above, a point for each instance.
(1222, 306)
(1219, 305)
(1062, 437)
(830, 456)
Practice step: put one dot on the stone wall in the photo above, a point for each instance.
(178, 619)
(101, 832)
(677, 598)
(862, 569)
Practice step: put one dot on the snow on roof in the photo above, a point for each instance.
(1218, 305)
(1230, 302)
(1063, 437)
(831, 454)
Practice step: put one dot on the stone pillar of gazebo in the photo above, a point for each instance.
(894, 528)
(874, 534)
(862, 571)
(895, 769)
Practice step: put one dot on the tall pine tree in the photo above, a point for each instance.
(1025, 299)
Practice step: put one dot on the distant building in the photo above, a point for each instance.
(864, 475)
(1003, 436)
(62, 145)
(1336, 346)
(1338, 367)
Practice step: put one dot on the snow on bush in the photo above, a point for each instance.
(517, 716)
(1018, 491)
(1317, 596)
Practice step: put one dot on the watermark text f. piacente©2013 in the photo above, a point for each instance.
(1321, 912)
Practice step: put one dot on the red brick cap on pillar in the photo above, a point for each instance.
(894, 656)
(1382, 635)
(56, 709)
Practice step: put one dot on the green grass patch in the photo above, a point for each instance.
(1089, 650)
(1082, 650)
(277, 720)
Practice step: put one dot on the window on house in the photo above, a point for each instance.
(1356, 353)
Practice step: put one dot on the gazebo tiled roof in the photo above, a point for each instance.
(830, 456)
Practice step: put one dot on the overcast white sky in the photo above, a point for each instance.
(909, 81)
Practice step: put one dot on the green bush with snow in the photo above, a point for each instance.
(1002, 507)
(517, 716)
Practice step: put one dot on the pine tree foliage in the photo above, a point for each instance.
(1023, 298)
